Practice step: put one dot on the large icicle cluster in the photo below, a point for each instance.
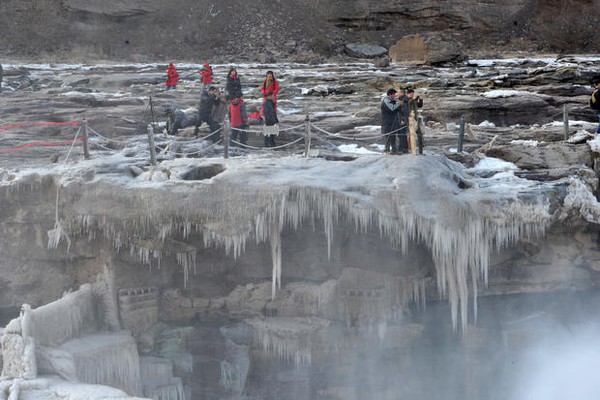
(408, 200)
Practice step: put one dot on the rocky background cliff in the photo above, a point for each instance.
(261, 30)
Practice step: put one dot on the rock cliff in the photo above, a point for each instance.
(275, 30)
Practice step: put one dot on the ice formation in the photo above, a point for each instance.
(412, 200)
(291, 339)
(71, 339)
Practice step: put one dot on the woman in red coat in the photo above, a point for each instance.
(207, 75)
(269, 85)
(172, 77)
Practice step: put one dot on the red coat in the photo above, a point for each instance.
(237, 113)
(273, 87)
(207, 74)
(173, 75)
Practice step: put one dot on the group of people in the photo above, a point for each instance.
(210, 97)
(399, 122)
(399, 111)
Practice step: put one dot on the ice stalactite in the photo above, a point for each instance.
(158, 380)
(418, 200)
(276, 258)
(234, 368)
(104, 290)
(110, 360)
(580, 198)
(290, 339)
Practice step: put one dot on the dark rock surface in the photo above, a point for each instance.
(265, 31)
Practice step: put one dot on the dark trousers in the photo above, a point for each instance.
(213, 125)
(241, 132)
(270, 141)
(403, 140)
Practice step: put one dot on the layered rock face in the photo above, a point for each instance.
(267, 30)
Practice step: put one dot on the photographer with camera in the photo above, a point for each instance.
(415, 123)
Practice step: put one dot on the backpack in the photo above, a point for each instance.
(595, 100)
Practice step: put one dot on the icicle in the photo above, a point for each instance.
(276, 258)
(64, 319)
(290, 339)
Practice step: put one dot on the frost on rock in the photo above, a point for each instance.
(159, 383)
(407, 200)
(74, 338)
(289, 339)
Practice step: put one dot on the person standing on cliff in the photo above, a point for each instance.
(233, 88)
(208, 100)
(269, 85)
(414, 125)
(390, 120)
(172, 77)
(238, 117)
(206, 76)
(271, 126)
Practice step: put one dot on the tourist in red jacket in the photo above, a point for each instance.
(207, 75)
(269, 85)
(238, 117)
(172, 77)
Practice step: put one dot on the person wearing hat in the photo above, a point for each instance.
(207, 76)
(392, 120)
(172, 77)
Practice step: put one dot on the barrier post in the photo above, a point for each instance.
(307, 137)
(566, 121)
(461, 134)
(152, 146)
(226, 134)
(86, 150)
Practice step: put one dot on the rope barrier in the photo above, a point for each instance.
(283, 145)
(27, 124)
(46, 144)
(337, 136)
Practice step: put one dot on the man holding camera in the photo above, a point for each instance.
(415, 125)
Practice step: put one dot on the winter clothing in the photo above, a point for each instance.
(271, 127)
(390, 121)
(238, 118)
(208, 100)
(233, 86)
(269, 85)
(207, 74)
(414, 125)
(172, 77)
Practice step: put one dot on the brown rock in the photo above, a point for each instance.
(432, 49)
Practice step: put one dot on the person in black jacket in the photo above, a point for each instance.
(208, 99)
(233, 88)
(390, 120)
(271, 127)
